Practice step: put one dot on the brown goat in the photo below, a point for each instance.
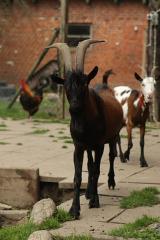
(96, 119)
(135, 106)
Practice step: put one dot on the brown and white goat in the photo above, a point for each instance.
(135, 106)
(96, 119)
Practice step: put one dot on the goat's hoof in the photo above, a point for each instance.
(88, 194)
(111, 184)
(74, 213)
(144, 164)
(126, 156)
(94, 203)
(123, 160)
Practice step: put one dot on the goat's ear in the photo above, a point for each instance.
(138, 77)
(92, 74)
(57, 79)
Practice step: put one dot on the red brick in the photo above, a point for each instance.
(26, 30)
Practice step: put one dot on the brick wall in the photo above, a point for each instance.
(25, 31)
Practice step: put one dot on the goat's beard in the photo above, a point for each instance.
(148, 100)
(76, 111)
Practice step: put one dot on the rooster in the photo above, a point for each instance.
(31, 99)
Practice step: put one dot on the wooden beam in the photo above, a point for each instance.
(63, 36)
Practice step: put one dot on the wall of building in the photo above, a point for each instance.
(25, 31)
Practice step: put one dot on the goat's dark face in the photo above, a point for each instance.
(76, 88)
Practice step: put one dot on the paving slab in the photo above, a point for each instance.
(98, 230)
(55, 162)
(92, 221)
(130, 215)
(53, 156)
(123, 189)
(149, 176)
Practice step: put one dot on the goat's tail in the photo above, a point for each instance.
(106, 75)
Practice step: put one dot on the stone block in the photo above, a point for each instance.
(39, 235)
(19, 187)
(15, 215)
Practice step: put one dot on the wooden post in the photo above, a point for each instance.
(35, 66)
(63, 36)
(154, 6)
(153, 56)
(157, 92)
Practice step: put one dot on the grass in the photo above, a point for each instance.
(39, 131)
(55, 120)
(123, 136)
(60, 132)
(16, 112)
(3, 125)
(52, 136)
(68, 141)
(22, 232)
(64, 146)
(151, 126)
(4, 143)
(145, 197)
(48, 112)
(62, 215)
(64, 137)
(138, 229)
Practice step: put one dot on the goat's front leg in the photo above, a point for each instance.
(143, 162)
(112, 155)
(121, 155)
(90, 174)
(130, 144)
(78, 162)
(94, 200)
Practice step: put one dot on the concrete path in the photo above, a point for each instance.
(46, 146)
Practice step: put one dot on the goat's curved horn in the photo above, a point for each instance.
(81, 50)
(153, 71)
(65, 51)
